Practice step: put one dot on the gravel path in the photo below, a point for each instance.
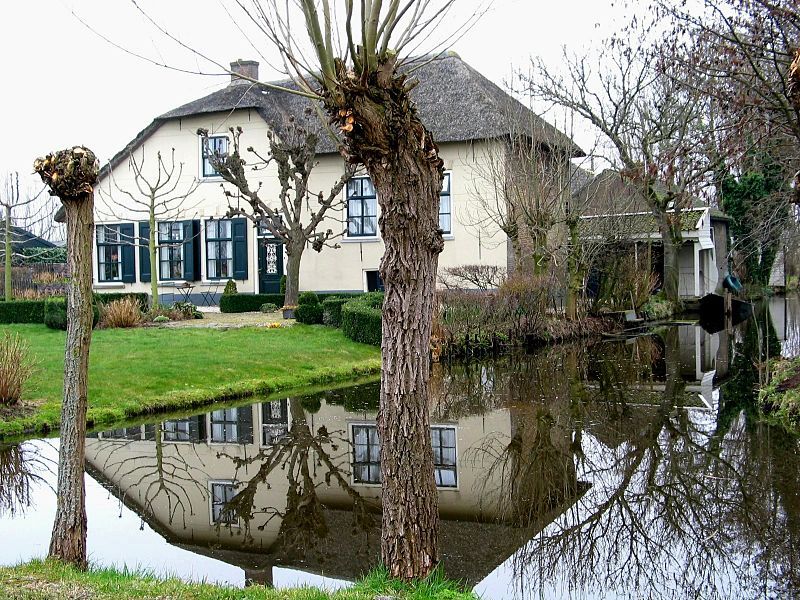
(213, 319)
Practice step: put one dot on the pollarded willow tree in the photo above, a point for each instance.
(294, 154)
(360, 71)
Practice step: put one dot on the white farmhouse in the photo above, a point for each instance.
(201, 249)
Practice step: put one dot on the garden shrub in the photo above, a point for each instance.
(125, 312)
(309, 314)
(22, 311)
(282, 285)
(238, 303)
(308, 298)
(230, 288)
(361, 318)
(657, 307)
(142, 298)
(186, 310)
(268, 307)
(161, 319)
(15, 368)
(332, 310)
(55, 313)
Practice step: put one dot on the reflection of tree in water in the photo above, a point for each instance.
(21, 467)
(167, 477)
(295, 456)
(671, 511)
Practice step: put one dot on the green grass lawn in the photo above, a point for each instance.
(138, 371)
(49, 579)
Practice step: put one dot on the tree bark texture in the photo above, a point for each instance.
(151, 247)
(384, 133)
(574, 279)
(68, 540)
(71, 175)
(294, 252)
(671, 262)
(8, 252)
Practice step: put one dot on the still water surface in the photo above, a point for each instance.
(622, 469)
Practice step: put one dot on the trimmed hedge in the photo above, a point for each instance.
(141, 297)
(332, 310)
(55, 313)
(361, 318)
(237, 303)
(307, 298)
(22, 311)
(309, 314)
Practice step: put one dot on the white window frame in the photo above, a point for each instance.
(215, 176)
(211, 519)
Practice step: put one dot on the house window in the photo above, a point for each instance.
(177, 431)
(443, 440)
(362, 208)
(216, 145)
(109, 253)
(219, 249)
(170, 251)
(225, 425)
(221, 495)
(374, 281)
(124, 433)
(274, 422)
(366, 454)
(445, 208)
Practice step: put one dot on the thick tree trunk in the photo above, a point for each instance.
(8, 253)
(68, 541)
(151, 246)
(294, 252)
(408, 192)
(671, 262)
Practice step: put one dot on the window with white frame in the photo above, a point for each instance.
(219, 249)
(225, 425)
(443, 440)
(362, 208)
(109, 253)
(177, 431)
(170, 251)
(445, 207)
(222, 492)
(274, 422)
(216, 145)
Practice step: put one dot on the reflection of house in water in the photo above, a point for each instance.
(274, 484)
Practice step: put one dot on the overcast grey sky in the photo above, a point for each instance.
(64, 85)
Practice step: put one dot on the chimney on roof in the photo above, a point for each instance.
(245, 68)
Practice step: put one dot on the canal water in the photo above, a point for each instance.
(632, 468)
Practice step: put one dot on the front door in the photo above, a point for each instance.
(270, 266)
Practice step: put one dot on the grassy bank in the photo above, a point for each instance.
(140, 371)
(50, 579)
(780, 400)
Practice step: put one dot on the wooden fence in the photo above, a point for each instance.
(36, 281)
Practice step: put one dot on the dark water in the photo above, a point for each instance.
(622, 469)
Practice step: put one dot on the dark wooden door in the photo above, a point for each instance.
(270, 266)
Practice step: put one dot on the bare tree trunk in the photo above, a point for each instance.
(409, 223)
(151, 247)
(7, 271)
(671, 263)
(574, 278)
(68, 541)
(294, 252)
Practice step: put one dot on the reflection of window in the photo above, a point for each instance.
(224, 425)
(217, 145)
(124, 433)
(366, 454)
(362, 208)
(219, 249)
(274, 422)
(443, 440)
(221, 495)
(109, 253)
(170, 241)
(445, 209)
(176, 431)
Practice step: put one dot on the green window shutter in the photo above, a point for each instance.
(239, 231)
(191, 250)
(144, 251)
(128, 256)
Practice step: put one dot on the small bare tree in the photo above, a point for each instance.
(157, 197)
(24, 211)
(295, 158)
(71, 176)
